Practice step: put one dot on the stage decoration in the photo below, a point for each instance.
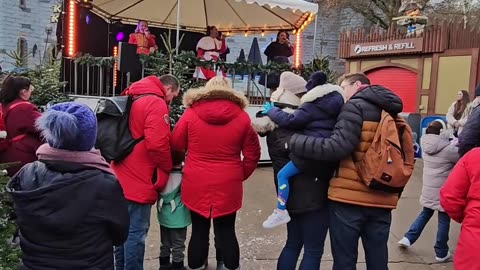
(71, 31)
(88, 59)
(412, 19)
(115, 66)
(120, 36)
(159, 63)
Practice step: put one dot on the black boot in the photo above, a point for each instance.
(178, 266)
(165, 263)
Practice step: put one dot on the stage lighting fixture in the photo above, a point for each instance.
(120, 36)
(87, 4)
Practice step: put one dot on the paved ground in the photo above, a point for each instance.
(260, 248)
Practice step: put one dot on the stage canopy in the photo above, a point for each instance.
(196, 15)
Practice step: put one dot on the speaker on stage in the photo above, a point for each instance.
(128, 60)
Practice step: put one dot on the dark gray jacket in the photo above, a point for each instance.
(70, 216)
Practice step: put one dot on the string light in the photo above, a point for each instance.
(297, 49)
(71, 28)
(246, 33)
(263, 33)
(115, 66)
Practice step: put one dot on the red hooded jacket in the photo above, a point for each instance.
(460, 198)
(145, 171)
(21, 121)
(215, 131)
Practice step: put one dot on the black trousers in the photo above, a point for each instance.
(225, 238)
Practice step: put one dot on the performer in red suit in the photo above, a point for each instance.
(210, 48)
(143, 39)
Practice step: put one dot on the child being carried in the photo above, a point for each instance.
(316, 116)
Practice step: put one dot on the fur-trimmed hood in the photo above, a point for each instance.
(215, 106)
(204, 94)
(264, 124)
(320, 91)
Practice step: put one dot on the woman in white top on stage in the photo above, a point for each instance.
(209, 48)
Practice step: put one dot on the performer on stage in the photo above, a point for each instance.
(209, 48)
(143, 39)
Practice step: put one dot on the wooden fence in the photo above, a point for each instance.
(437, 36)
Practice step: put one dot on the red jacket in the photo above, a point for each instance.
(21, 121)
(216, 132)
(460, 198)
(148, 118)
(143, 43)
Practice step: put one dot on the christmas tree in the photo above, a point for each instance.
(9, 250)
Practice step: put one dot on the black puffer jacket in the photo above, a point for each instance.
(469, 138)
(308, 190)
(351, 137)
(70, 216)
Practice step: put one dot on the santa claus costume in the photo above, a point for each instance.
(209, 49)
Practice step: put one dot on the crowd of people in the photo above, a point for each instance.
(74, 210)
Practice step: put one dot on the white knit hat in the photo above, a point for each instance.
(284, 96)
(292, 83)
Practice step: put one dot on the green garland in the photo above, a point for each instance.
(88, 59)
(159, 63)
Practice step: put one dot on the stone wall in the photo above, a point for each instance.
(29, 21)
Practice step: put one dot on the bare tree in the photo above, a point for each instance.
(379, 12)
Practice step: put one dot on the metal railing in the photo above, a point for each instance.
(99, 81)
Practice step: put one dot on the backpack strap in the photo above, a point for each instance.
(5, 114)
(9, 108)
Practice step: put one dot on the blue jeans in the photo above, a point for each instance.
(441, 244)
(350, 222)
(130, 256)
(284, 175)
(307, 231)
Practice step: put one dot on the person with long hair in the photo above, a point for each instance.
(278, 51)
(458, 112)
(144, 40)
(281, 47)
(209, 48)
(19, 116)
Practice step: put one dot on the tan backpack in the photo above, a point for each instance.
(388, 163)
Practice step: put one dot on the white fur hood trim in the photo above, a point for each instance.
(322, 90)
(263, 125)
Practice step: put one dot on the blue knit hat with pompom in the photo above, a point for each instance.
(69, 126)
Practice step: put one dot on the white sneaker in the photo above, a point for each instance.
(278, 217)
(404, 243)
(444, 259)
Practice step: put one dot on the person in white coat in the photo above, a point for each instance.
(439, 156)
(458, 112)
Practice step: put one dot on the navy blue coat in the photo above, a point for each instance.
(317, 114)
(469, 138)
